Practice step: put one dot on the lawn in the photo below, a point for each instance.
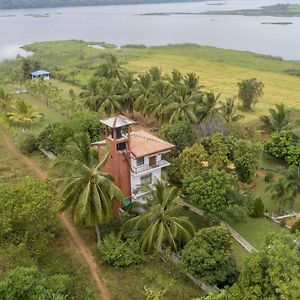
(128, 283)
(255, 230)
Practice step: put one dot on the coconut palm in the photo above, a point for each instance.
(163, 224)
(23, 114)
(278, 119)
(110, 69)
(280, 193)
(182, 107)
(144, 86)
(175, 79)
(108, 99)
(155, 73)
(227, 111)
(129, 92)
(83, 187)
(292, 179)
(209, 109)
(5, 99)
(90, 95)
(191, 82)
(158, 100)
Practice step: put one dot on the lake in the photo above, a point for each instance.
(124, 24)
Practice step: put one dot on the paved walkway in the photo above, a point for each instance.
(243, 242)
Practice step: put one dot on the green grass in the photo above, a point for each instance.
(239, 253)
(256, 230)
(219, 69)
(128, 283)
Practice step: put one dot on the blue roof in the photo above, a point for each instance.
(40, 72)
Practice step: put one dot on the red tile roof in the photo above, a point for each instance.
(144, 143)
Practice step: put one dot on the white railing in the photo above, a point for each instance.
(144, 168)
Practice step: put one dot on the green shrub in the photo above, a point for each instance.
(296, 227)
(54, 136)
(119, 253)
(269, 177)
(180, 134)
(28, 143)
(258, 208)
(208, 256)
(283, 145)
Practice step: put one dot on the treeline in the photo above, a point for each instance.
(10, 4)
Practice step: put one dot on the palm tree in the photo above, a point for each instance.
(280, 193)
(227, 111)
(110, 69)
(90, 95)
(5, 99)
(129, 92)
(208, 108)
(191, 82)
(175, 79)
(23, 114)
(108, 98)
(143, 87)
(84, 188)
(292, 179)
(158, 100)
(162, 224)
(278, 119)
(182, 107)
(155, 73)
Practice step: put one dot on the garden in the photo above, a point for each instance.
(232, 167)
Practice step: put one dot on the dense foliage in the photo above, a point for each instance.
(27, 215)
(217, 193)
(180, 134)
(272, 272)
(30, 283)
(208, 256)
(283, 145)
(27, 143)
(250, 90)
(54, 136)
(119, 253)
(163, 224)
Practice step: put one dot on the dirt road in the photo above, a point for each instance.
(75, 238)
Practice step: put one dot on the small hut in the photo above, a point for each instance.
(40, 74)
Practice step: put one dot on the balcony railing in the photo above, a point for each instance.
(144, 168)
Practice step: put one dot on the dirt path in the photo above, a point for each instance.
(75, 238)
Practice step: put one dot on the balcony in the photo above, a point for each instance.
(144, 168)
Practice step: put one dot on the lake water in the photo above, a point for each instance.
(125, 25)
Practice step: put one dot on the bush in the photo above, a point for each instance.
(180, 134)
(208, 256)
(269, 177)
(119, 253)
(283, 145)
(296, 227)
(28, 143)
(46, 139)
(258, 208)
(54, 136)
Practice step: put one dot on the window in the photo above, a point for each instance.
(121, 146)
(140, 161)
(146, 179)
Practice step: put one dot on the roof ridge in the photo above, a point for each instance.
(159, 140)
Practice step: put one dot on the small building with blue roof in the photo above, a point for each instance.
(40, 74)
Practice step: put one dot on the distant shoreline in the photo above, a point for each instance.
(83, 3)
